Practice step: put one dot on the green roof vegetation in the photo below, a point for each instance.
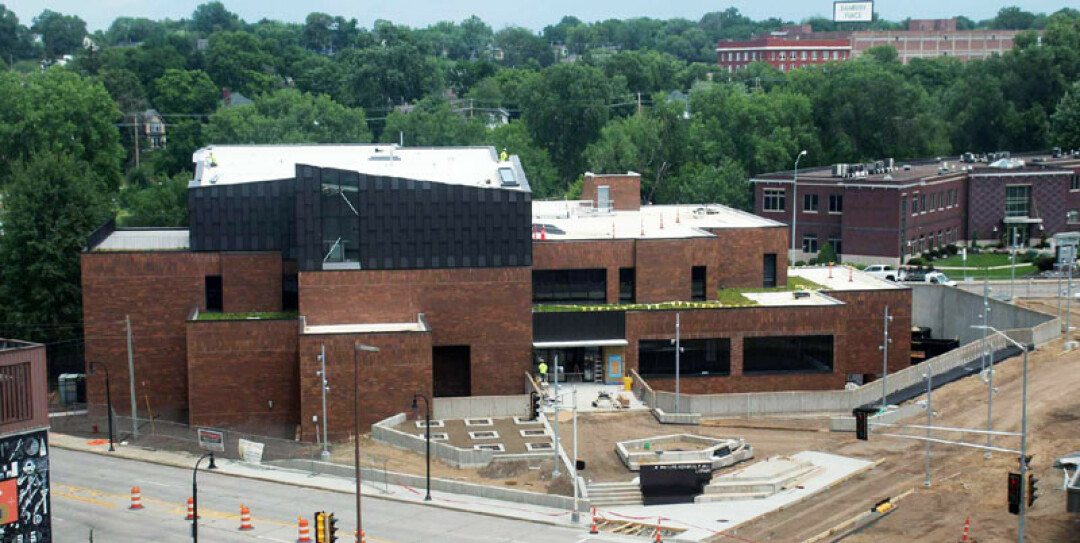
(727, 297)
(269, 315)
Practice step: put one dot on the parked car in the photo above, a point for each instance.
(883, 271)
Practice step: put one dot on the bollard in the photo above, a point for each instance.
(245, 519)
(190, 509)
(830, 270)
(593, 530)
(851, 274)
(303, 535)
(136, 498)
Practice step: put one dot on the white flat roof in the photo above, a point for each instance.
(583, 343)
(379, 328)
(473, 166)
(147, 240)
(578, 220)
(789, 299)
(843, 278)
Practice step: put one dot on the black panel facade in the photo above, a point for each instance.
(579, 326)
(327, 218)
(242, 217)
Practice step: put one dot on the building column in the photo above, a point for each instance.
(736, 355)
(613, 285)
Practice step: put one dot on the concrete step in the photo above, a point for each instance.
(603, 502)
(711, 498)
(741, 488)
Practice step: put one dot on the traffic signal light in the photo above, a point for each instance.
(862, 426)
(1031, 489)
(1014, 493)
(320, 527)
(534, 409)
(331, 528)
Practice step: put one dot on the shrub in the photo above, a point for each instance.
(799, 263)
(952, 248)
(1045, 262)
(827, 254)
(916, 261)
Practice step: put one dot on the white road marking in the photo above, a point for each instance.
(155, 483)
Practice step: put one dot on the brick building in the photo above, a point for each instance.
(440, 258)
(25, 511)
(796, 46)
(884, 212)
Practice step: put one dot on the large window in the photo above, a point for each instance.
(215, 294)
(339, 201)
(698, 357)
(1018, 201)
(837, 245)
(626, 285)
(1074, 184)
(787, 354)
(1073, 216)
(697, 283)
(810, 203)
(809, 244)
(570, 286)
(774, 200)
(836, 203)
(768, 279)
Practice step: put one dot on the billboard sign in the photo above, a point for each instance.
(853, 12)
(211, 440)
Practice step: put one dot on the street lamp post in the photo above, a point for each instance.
(795, 204)
(195, 494)
(108, 399)
(427, 444)
(1023, 427)
(356, 429)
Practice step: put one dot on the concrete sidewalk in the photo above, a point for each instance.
(371, 489)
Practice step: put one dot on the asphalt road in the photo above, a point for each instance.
(92, 492)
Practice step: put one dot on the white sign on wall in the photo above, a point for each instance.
(853, 12)
(251, 451)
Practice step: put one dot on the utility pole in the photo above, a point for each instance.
(1012, 267)
(135, 116)
(555, 471)
(639, 103)
(131, 380)
(1068, 306)
(985, 318)
(885, 359)
(325, 387)
(575, 516)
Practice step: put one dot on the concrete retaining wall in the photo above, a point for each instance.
(950, 312)
(480, 406)
(376, 477)
(384, 432)
(690, 419)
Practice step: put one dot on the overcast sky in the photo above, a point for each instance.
(533, 14)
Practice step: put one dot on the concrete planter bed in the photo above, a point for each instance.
(683, 448)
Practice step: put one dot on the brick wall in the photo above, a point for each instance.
(625, 190)
(251, 282)
(158, 291)
(871, 222)
(387, 381)
(864, 316)
(235, 368)
(489, 309)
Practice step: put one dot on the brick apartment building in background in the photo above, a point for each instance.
(795, 46)
(25, 506)
(441, 259)
(886, 212)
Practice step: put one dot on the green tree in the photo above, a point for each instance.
(62, 112)
(160, 203)
(827, 254)
(723, 183)
(515, 139)
(288, 116)
(522, 48)
(1013, 18)
(14, 37)
(52, 202)
(379, 76)
(1065, 122)
(433, 123)
(213, 17)
(236, 60)
(565, 108)
(61, 34)
(190, 94)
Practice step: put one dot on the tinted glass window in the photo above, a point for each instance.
(787, 354)
(698, 357)
(569, 286)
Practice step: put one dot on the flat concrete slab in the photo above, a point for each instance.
(703, 520)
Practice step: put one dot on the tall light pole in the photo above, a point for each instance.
(558, 404)
(325, 387)
(575, 516)
(1012, 267)
(356, 429)
(678, 350)
(427, 444)
(1023, 429)
(885, 359)
(795, 204)
(195, 494)
(108, 399)
(929, 420)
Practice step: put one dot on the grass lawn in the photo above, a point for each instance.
(981, 260)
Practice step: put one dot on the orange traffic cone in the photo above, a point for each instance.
(361, 538)
(304, 533)
(543, 233)
(245, 519)
(967, 525)
(658, 539)
(136, 498)
(593, 530)
(190, 509)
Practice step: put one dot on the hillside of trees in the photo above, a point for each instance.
(643, 95)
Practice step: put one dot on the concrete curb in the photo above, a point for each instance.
(365, 494)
